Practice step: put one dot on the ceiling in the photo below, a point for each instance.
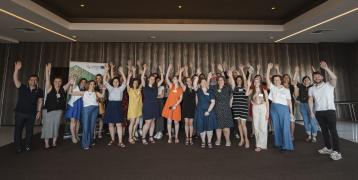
(142, 28)
(191, 11)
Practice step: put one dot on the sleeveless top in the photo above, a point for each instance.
(56, 101)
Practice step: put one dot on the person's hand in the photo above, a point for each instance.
(312, 115)
(186, 68)
(292, 116)
(145, 67)
(38, 117)
(241, 67)
(267, 116)
(160, 69)
(72, 81)
(277, 66)
(258, 67)
(323, 65)
(249, 82)
(220, 67)
(120, 69)
(269, 66)
(112, 65)
(250, 70)
(294, 82)
(18, 65)
(170, 66)
(130, 73)
(106, 67)
(206, 113)
(297, 69)
(134, 69)
(48, 67)
(229, 73)
(181, 70)
(198, 71)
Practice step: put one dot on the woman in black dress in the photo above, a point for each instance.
(189, 104)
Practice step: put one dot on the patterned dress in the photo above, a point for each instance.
(240, 105)
(222, 107)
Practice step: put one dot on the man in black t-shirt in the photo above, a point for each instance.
(28, 107)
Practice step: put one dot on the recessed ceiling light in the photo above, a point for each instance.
(273, 7)
(74, 36)
(152, 37)
(180, 6)
(82, 5)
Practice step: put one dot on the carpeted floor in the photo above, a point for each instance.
(176, 161)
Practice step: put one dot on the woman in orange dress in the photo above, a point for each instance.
(172, 110)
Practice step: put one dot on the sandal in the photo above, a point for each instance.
(203, 145)
(228, 144)
(144, 141)
(187, 141)
(241, 143)
(308, 139)
(169, 140)
(191, 141)
(135, 138)
(217, 143)
(151, 140)
(247, 145)
(258, 149)
(121, 145)
(110, 143)
(210, 146)
(131, 141)
(176, 141)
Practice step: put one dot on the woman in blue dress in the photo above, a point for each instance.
(74, 109)
(205, 117)
(151, 108)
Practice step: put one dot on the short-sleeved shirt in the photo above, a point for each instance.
(115, 94)
(323, 95)
(279, 95)
(27, 99)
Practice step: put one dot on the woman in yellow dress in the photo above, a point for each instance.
(134, 90)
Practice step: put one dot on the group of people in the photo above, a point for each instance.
(139, 103)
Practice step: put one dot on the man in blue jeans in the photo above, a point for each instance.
(28, 108)
(322, 95)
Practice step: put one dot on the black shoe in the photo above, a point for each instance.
(18, 151)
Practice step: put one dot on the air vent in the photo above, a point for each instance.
(26, 30)
(321, 31)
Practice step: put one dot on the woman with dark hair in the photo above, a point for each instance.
(114, 112)
(240, 106)
(205, 117)
(301, 92)
(281, 110)
(55, 105)
(287, 83)
(135, 104)
(74, 109)
(151, 107)
(189, 105)
(223, 95)
(101, 104)
(172, 110)
(89, 112)
(260, 108)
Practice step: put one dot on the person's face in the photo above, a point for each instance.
(221, 82)
(99, 79)
(286, 79)
(57, 82)
(135, 84)
(257, 83)
(83, 83)
(175, 80)
(188, 81)
(201, 76)
(115, 83)
(151, 80)
(91, 85)
(258, 78)
(306, 82)
(33, 81)
(277, 81)
(239, 81)
(203, 83)
(317, 78)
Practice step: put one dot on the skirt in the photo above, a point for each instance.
(51, 123)
(114, 113)
(75, 110)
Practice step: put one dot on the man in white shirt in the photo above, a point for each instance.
(322, 95)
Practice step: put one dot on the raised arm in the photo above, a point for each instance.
(48, 86)
(143, 74)
(269, 67)
(102, 94)
(106, 73)
(129, 79)
(221, 69)
(167, 76)
(15, 76)
(295, 81)
(195, 83)
(333, 77)
(181, 79)
(241, 67)
(121, 71)
(186, 71)
(161, 76)
(231, 79)
(112, 70)
(258, 69)
(248, 89)
(277, 67)
(134, 69)
(210, 75)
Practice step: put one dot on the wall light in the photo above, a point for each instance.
(35, 24)
(318, 24)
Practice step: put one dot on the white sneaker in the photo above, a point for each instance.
(237, 136)
(336, 156)
(160, 135)
(325, 151)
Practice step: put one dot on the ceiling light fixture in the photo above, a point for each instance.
(35, 24)
(180, 6)
(273, 7)
(152, 37)
(82, 5)
(318, 24)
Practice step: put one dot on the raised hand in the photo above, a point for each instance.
(198, 71)
(323, 65)
(160, 69)
(269, 66)
(251, 70)
(241, 67)
(297, 69)
(277, 66)
(112, 65)
(220, 67)
(145, 67)
(18, 65)
(170, 66)
(120, 69)
(258, 67)
(106, 67)
(229, 73)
